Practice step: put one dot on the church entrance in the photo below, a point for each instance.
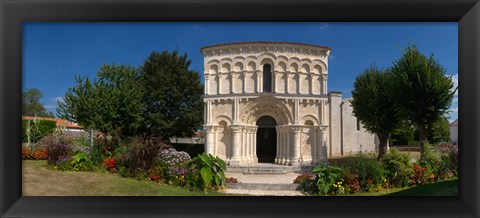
(266, 139)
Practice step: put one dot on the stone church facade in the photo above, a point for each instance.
(267, 102)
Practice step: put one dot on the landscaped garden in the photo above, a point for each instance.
(394, 174)
(136, 159)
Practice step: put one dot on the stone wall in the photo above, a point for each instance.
(347, 136)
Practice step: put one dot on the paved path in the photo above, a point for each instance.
(264, 184)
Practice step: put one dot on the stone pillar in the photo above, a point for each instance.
(278, 145)
(325, 77)
(244, 82)
(219, 89)
(209, 142)
(232, 82)
(287, 80)
(236, 145)
(296, 146)
(254, 153)
(321, 145)
(296, 111)
(310, 85)
(275, 76)
(206, 84)
(314, 145)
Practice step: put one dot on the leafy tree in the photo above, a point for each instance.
(423, 90)
(31, 105)
(112, 103)
(439, 130)
(403, 135)
(173, 95)
(374, 105)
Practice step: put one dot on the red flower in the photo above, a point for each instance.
(369, 181)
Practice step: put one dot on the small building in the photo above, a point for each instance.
(454, 131)
(70, 127)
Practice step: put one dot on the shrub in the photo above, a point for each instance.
(36, 129)
(350, 181)
(210, 171)
(397, 168)
(109, 164)
(140, 155)
(370, 171)
(58, 149)
(420, 175)
(326, 178)
(38, 153)
(157, 174)
(451, 150)
(171, 157)
(81, 161)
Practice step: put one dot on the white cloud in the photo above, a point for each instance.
(58, 99)
(198, 27)
(323, 26)
(50, 106)
(320, 26)
(455, 83)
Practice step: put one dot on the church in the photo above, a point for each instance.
(268, 102)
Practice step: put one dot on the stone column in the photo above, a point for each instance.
(314, 145)
(310, 85)
(209, 143)
(259, 82)
(278, 145)
(254, 152)
(236, 145)
(206, 84)
(296, 146)
(244, 82)
(219, 89)
(247, 144)
(321, 144)
(232, 82)
(325, 77)
(287, 76)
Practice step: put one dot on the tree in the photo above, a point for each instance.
(374, 105)
(173, 95)
(31, 105)
(424, 92)
(403, 135)
(111, 104)
(439, 131)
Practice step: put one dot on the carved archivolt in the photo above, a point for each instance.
(266, 105)
(313, 60)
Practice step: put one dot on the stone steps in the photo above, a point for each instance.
(268, 169)
(264, 186)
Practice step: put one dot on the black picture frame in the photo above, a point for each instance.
(14, 13)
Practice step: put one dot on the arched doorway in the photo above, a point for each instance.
(266, 139)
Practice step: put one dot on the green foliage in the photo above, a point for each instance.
(326, 177)
(139, 155)
(36, 129)
(212, 170)
(112, 103)
(403, 135)
(374, 105)
(31, 105)
(173, 95)
(423, 91)
(81, 161)
(369, 170)
(397, 167)
(439, 131)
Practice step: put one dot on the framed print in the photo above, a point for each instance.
(18, 18)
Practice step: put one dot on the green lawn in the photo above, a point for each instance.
(444, 188)
(40, 181)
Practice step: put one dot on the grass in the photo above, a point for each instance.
(443, 188)
(38, 180)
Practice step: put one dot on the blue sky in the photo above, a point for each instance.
(53, 53)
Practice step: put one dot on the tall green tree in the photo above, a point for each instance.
(173, 95)
(112, 103)
(424, 91)
(31, 105)
(374, 105)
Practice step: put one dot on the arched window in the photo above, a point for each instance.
(267, 78)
